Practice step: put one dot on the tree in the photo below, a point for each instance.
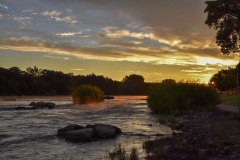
(134, 85)
(224, 16)
(168, 81)
(224, 80)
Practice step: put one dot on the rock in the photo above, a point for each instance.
(79, 135)
(62, 132)
(202, 154)
(108, 97)
(105, 131)
(41, 105)
(20, 108)
(76, 133)
(50, 105)
(166, 148)
(118, 130)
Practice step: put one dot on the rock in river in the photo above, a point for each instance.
(41, 105)
(77, 133)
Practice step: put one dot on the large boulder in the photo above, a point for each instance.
(76, 133)
(62, 132)
(79, 135)
(105, 131)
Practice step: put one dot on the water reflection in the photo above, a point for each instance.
(31, 134)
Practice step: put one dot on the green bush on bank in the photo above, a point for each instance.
(174, 98)
(87, 94)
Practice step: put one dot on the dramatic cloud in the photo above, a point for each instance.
(170, 34)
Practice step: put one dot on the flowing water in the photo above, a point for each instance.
(31, 134)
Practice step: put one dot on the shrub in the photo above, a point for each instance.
(179, 97)
(87, 94)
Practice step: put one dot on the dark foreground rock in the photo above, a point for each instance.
(212, 135)
(75, 133)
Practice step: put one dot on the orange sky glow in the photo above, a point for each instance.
(158, 40)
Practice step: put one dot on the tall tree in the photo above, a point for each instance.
(134, 85)
(224, 16)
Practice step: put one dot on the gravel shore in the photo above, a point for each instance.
(212, 135)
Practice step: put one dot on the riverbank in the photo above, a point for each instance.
(204, 135)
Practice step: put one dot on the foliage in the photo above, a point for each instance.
(225, 79)
(35, 81)
(133, 85)
(224, 16)
(87, 94)
(119, 153)
(180, 97)
(168, 81)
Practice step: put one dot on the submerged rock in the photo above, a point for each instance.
(20, 108)
(42, 105)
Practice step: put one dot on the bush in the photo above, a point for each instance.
(174, 98)
(87, 94)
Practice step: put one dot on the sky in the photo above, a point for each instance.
(158, 39)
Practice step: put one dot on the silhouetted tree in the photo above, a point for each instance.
(134, 85)
(224, 16)
(168, 81)
(224, 80)
(35, 81)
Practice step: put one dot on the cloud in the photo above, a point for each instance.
(69, 33)
(78, 69)
(51, 14)
(57, 16)
(23, 20)
(3, 6)
(56, 57)
(155, 55)
(192, 71)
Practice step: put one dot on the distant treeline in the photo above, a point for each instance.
(35, 81)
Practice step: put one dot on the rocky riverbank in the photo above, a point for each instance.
(212, 135)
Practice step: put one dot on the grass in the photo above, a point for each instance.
(119, 153)
(175, 98)
(231, 99)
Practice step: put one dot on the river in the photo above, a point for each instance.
(31, 134)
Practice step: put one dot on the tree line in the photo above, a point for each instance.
(35, 81)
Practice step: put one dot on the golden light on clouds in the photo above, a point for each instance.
(109, 37)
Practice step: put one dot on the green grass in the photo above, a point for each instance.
(175, 98)
(231, 99)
